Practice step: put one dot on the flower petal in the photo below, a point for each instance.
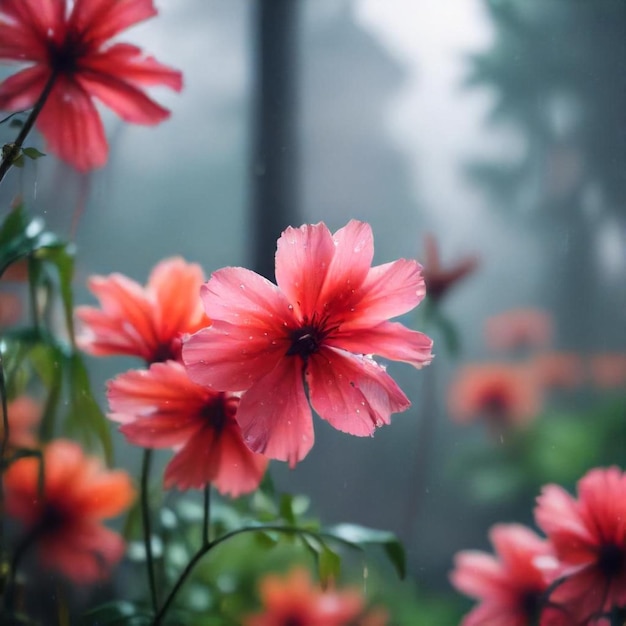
(106, 494)
(23, 89)
(478, 574)
(389, 290)
(354, 394)
(129, 64)
(274, 415)
(242, 297)
(354, 251)
(176, 287)
(390, 340)
(100, 20)
(17, 42)
(72, 127)
(84, 555)
(219, 458)
(225, 357)
(38, 16)
(558, 515)
(303, 256)
(131, 104)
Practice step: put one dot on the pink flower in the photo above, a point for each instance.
(162, 408)
(327, 314)
(589, 539)
(69, 43)
(519, 328)
(503, 395)
(147, 322)
(65, 523)
(511, 586)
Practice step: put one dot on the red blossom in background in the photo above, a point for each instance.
(162, 408)
(66, 522)
(69, 43)
(24, 417)
(147, 322)
(558, 370)
(439, 280)
(510, 586)
(519, 328)
(589, 540)
(294, 599)
(503, 395)
(608, 370)
(328, 312)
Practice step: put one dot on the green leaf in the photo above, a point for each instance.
(328, 561)
(360, 536)
(18, 161)
(21, 236)
(33, 153)
(86, 420)
(328, 565)
(16, 123)
(61, 257)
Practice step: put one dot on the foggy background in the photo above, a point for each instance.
(495, 126)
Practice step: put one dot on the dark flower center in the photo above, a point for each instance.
(495, 403)
(610, 559)
(532, 602)
(218, 411)
(165, 352)
(64, 55)
(52, 519)
(305, 341)
(293, 621)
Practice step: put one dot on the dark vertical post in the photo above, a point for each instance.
(274, 151)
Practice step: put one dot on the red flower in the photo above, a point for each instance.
(65, 523)
(510, 586)
(144, 321)
(326, 316)
(295, 600)
(69, 44)
(503, 395)
(520, 328)
(162, 408)
(589, 539)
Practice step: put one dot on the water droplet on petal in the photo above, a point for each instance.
(242, 286)
(290, 307)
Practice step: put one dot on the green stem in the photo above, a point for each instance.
(207, 547)
(207, 515)
(12, 151)
(147, 530)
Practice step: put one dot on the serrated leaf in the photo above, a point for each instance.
(361, 536)
(33, 153)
